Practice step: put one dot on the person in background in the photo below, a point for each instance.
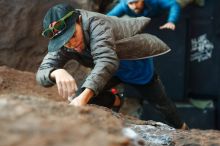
(148, 8)
(91, 38)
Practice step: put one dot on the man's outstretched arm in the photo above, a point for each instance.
(118, 10)
(174, 11)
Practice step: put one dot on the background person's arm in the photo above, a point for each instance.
(174, 11)
(118, 10)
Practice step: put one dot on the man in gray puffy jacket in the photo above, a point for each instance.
(98, 41)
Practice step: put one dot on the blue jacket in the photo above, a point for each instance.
(136, 71)
(141, 71)
(152, 8)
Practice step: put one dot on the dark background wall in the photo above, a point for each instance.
(191, 72)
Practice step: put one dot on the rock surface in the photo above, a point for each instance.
(33, 115)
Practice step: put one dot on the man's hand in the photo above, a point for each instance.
(168, 25)
(66, 84)
(83, 98)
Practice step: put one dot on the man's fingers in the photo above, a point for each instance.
(75, 87)
(168, 26)
(162, 27)
(59, 87)
(65, 90)
(74, 102)
(73, 91)
(70, 87)
(62, 89)
(173, 27)
(65, 83)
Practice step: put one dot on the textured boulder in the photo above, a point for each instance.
(33, 115)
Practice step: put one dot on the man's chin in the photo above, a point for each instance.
(137, 11)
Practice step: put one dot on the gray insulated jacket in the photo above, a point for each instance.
(105, 41)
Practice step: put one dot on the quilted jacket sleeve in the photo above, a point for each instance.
(102, 46)
(118, 10)
(51, 62)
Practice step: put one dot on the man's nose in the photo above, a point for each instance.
(134, 6)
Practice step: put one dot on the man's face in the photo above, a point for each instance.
(77, 40)
(136, 6)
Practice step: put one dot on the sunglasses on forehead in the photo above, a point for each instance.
(56, 27)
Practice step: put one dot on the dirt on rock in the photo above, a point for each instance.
(33, 115)
(24, 83)
(31, 120)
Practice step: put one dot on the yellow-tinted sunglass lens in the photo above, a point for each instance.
(48, 33)
(60, 25)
